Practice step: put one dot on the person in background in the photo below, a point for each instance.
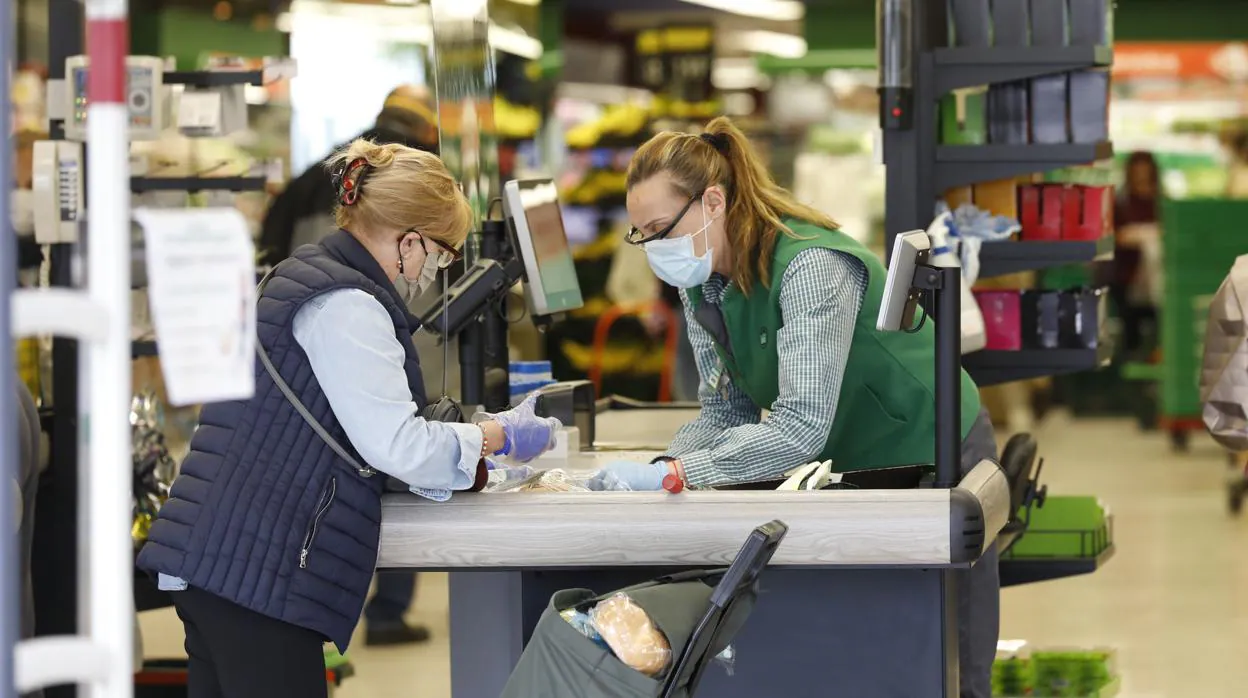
(780, 306)
(270, 535)
(1137, 214)
(304, 213)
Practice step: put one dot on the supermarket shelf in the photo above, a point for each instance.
(1011, 257)
(1016, 571)
(214, 78)
(970, 66)
(993, 367)
(140, 185)
(960, 165)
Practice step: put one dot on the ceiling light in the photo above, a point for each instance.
(772, 43)
(734, 74)
(515, 42)
(778, 10)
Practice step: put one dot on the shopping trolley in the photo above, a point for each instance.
(699, 621)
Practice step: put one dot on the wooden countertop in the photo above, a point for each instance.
(601, 529)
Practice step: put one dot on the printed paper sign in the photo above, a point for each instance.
(202, 292)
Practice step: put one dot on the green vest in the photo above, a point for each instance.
(886, 414)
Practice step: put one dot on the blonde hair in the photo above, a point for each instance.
(401, 188)
(723, 155)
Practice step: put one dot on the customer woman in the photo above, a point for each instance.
(270, 536)
(781, 309)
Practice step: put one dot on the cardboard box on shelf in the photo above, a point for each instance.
(963, 117)
(1011, 23)
(959, 195)
(999, 197)
(1040, 212)
(1049, 96)
(1089, 106)
(1002, 319)
(1087, 212)
(1041, 317)
(1008, 113)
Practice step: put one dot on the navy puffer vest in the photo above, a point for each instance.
(263, 513)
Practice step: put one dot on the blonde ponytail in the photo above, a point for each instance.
(398, 189)
(756, 204)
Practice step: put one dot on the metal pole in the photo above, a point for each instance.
(495, 357)
(948, 378)
(54, 563)
(10, 617)
(110, 615)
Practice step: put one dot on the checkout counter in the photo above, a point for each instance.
(851, 605)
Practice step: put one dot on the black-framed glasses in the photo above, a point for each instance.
(450, 256)
(636, 237)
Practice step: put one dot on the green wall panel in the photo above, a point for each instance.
(850, 24)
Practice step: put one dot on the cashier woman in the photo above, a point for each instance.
(781, 308)
(269, 538)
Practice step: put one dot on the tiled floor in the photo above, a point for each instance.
(1173, 601)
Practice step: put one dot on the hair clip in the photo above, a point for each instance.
(348, 187)
(718, 141)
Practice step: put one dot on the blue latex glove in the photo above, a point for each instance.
(528, 436)
(629, 475)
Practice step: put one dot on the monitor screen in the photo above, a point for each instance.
(533, 207)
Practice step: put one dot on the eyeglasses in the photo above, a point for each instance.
(636, 237)
(447, 255)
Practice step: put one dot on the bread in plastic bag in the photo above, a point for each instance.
(631, 635)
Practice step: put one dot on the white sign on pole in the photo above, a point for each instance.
(202, 292)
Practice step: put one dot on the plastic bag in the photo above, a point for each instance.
(945, 246)
(727, 659)
(969, 228)
(525, 479)
(580, 620)
(631, 635)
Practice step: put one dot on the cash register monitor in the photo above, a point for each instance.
(897, 307)
(532, 207)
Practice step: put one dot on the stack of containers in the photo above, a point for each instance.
(528, 376)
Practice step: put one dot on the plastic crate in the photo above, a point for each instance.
(1065, 527)
(1069, 673)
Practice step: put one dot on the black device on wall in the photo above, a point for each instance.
(895, 45)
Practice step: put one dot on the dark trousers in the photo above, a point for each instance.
(979, 592)
(239, 653)
(391, 598)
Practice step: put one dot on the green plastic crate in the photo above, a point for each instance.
(1065, 527)
(1066, 673)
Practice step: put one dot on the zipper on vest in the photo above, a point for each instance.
(322, 508)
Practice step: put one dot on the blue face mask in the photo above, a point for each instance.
(673, 259)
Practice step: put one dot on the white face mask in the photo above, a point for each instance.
(22, 211)
(673, 259)
(411, 289)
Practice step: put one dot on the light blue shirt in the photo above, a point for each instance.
(358, 362)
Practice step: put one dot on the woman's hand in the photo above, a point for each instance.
(494, 435)
(527, 435)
